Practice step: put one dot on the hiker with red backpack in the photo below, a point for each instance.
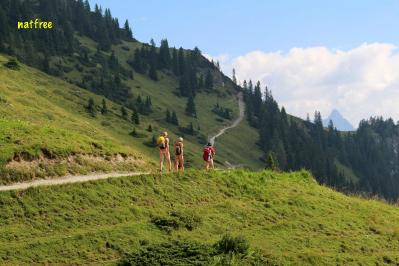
(208, 153)
(163, 145)
(179, 151)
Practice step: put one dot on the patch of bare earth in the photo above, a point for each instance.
(24, 167)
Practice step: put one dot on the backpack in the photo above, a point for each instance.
(178, 149)
(207, 155)
(161, 142)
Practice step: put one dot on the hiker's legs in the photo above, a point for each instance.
(182, 163)
(169, 161)
(211, 162)
(206, 165)
(177, 163)
(161, 158)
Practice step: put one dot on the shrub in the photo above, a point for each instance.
(170, 253)
(229, 244)
(136, 134)
(166, 223)
(188, 220)
(194, 253)
(106, 124)
(151, 143)
(12, 64)
(177, 220)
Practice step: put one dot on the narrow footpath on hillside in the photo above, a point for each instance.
(66, 180)
(94, 176)
(241, 107)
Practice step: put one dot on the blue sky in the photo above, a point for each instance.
(236, 27)
(313, 55)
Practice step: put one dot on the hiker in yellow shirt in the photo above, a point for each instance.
(164, 153)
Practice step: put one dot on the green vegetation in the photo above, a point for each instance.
(48, 129)
(63, 120)
(284, 218)
(228, 251)
(133, 85)
(91, 50)
(364, 160)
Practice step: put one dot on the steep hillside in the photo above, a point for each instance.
(89, 49)
(47, 131)
(165, 94)
(45, 120)
(286, 219)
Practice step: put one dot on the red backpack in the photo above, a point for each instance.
(208, 152)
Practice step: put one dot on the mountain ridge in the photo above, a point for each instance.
(339, 121)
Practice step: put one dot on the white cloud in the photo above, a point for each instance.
(360, 82)
(224, 61)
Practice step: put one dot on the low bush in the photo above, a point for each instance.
(230, 244)
(177, 220)
(174, 253)
(228, 251)
(12, 64)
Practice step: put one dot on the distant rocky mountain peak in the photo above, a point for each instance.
(339, 121)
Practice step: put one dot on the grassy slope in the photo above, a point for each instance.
(42, 112)
(288, 218)
(163, 97)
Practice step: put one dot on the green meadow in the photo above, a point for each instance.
(286, 218)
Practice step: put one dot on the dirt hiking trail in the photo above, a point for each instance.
(241, 106)
(65, 180)
(85, 178)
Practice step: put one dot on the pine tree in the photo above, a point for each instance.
(148, 104)
(128, 31)
(201, 81)
(182, 61)
(46, 64)
(196, 56)
(138, 62)
(168, 116)
(234, 77)
(209, 80)
(91, 107)
(190, 128)
(154, 141)
(190, 107)
(123, 112)
(139, 100)
(271, 163)
(164, 54)
(3, 30)
(69, 38)
(174, 119)
(134, 132)
(257, 104)
(149, 129)
(104, 108)
(153, 72)
(184, 85)
(175, 62)
(135, 117)
(113, 62)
